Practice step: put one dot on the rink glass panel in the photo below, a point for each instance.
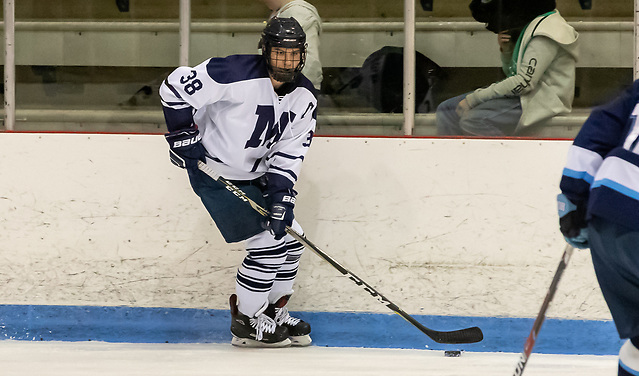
(92, 65)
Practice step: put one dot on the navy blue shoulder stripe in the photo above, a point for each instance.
(608, 124)
(304, 82)
(234, 68)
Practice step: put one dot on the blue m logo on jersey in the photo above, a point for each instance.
(268, 131)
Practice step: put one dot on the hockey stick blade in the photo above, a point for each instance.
(468, 335)
(532, 337)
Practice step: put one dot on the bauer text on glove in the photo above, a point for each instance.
(185, 147)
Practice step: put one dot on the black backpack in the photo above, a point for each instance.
(382, 78)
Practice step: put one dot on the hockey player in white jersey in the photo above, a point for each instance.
(251, 118)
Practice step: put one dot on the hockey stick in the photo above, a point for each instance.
(468, 335)
(532, 337)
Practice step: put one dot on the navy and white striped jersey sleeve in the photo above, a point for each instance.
(185, 90)
(286, 157)
(603, 131)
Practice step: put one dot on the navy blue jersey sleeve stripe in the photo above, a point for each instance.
(176, 103)
(289, 172)
(288, 156)
(278, 182)
(178, 119)
(175, 92)
(577, 190)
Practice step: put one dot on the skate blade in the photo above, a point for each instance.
(247, 342)
(300, 341)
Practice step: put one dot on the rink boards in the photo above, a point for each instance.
(101, 233)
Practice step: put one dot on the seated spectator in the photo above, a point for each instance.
(538, 53)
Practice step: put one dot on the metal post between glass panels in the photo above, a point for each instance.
(409, 66)
(9, 65)
(636, 55)
(185, 31)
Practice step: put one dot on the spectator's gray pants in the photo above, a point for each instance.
(493, 118)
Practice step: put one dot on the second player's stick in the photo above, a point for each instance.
(468, 335)
(532, 337)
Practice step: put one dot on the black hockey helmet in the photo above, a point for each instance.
(502, 15)
(284, 33)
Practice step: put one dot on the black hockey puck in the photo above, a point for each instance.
(452, 353)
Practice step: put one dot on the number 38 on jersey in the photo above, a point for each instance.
(191, 84)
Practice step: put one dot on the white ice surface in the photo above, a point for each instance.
(22, 358)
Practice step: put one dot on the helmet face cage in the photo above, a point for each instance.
(277, 63)
(287, 36)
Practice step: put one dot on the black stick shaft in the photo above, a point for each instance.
(468, 335)
(541, 316)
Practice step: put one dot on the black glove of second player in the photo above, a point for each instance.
(572, 222)
(281, 213)
(186, 148)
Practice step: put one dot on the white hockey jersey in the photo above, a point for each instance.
(246, 126)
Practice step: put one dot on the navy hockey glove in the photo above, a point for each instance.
(281, 213)
(572, 222)
(186, 148)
